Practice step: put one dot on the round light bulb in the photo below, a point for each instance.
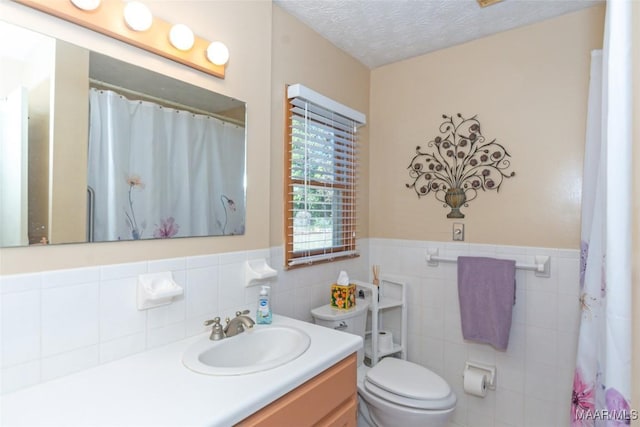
(137, 16)
(86, 4)
(181, 37)
(218, 53)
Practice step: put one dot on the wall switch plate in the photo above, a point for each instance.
(458, 231)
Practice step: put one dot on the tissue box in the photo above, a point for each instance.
(343, 297)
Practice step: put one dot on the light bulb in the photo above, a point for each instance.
(218, 53)
(181, 37)
(137, 16)
(86, 4)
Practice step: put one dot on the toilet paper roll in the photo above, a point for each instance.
(385, 341)
(475, 382)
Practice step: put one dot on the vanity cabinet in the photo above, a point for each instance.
(328, 400)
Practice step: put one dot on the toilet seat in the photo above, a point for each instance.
(409, 384)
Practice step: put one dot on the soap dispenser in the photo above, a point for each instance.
(263, 316)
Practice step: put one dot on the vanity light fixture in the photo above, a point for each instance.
(218, 53)
(139, 28)
(87, 5)
(137, 16)
(181, 37)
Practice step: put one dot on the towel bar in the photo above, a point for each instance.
(541, 267)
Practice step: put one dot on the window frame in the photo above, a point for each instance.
(346, 207)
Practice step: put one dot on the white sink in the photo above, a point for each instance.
(257, 349)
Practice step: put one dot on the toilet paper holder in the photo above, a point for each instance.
(490, 372)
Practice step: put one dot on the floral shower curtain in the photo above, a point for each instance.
(158, 172)
(602, 379)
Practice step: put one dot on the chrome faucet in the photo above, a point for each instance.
(238, 324)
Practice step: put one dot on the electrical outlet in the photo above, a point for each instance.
(458, 231)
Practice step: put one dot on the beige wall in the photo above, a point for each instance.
(301, 56)
(540, 206)
(39, 107)
(529, 89)
(245, 27)
(69, 135)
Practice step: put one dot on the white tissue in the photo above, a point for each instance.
(385, 341)
(475, 382)
(343, 279)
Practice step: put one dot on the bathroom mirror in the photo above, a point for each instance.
(95, 149)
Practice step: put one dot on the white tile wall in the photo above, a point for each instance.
(21, 313)
(535, 373)
(59, 322)
(70, 318)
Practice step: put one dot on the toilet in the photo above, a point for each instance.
(394, 392)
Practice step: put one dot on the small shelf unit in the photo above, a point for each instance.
(392, 301)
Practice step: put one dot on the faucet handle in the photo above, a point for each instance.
(214, 321)
(240, 313)
(216, 330)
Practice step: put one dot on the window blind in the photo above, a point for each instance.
(321, 219)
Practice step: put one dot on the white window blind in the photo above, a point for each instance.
(321, 219)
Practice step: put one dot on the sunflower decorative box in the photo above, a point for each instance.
(343, 293)
(343, 297)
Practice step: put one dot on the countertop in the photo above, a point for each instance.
(154, 388)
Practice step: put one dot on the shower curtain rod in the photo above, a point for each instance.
(163, 102)
(541, 267)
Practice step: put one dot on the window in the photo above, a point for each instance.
(322, 166)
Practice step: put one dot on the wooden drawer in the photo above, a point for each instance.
(344, 416)
(328, 399)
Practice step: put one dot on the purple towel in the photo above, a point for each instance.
(486, 290)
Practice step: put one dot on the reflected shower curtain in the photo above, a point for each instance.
(158, 172)
(602, 379)
(14, 179)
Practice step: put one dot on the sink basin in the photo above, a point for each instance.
(255, 350)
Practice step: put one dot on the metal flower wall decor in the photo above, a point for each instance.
(460, 162)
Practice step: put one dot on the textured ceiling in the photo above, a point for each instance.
(379, 32)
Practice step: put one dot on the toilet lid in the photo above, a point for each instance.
(327, 312)
(409, 384)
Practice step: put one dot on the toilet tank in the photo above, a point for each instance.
(353, 321)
